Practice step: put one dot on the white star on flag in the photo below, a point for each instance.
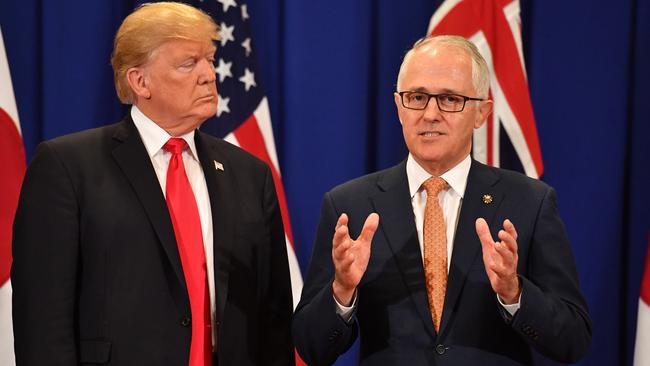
(244, 12)
(223, 70)
(225, 32)
(222, 105)
(227, 3)
(247, 46)
(248, 79)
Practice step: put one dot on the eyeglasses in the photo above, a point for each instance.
(446, 102)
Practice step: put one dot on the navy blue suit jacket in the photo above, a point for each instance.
(392, 315)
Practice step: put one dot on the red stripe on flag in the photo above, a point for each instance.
(645, 281)
(13, 170)
(250, 138)
(464, 20)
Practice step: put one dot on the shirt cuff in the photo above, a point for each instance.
(512, 308)
(346, 312)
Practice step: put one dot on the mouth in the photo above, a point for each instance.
(206, 98)
(431, 134)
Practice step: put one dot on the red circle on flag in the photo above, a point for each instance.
(12, 154)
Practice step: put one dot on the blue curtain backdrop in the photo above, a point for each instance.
(329, 69)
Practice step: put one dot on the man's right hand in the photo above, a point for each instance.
(351, 257)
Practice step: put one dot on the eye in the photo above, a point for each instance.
(451, 98)
(187, 64)
(416, 97)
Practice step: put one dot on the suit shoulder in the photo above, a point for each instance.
(369, 184)
(82, 141)
(91, 133)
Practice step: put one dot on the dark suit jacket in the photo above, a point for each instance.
(96, 272)
(392, 315)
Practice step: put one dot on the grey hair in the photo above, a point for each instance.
(480, 71)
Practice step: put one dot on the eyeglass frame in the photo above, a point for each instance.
(429, 95)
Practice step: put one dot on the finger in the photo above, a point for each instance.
(510, 228)
(343, 264)
(507, 241)
(483, 232)
(339, 250)
(369, 228)
(503, 255)
(343, 220)
(341, 234)
(502, 272)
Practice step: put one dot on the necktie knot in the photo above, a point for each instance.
(175, 145)
(434, 185)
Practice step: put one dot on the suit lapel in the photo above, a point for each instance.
(467, 248)
(393, 204)
(132, 157)
(220, 188)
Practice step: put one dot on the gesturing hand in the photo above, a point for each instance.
(350, 256)
(500, 260)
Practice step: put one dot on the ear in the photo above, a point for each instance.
(137, 81)
(484, 110)
(398, 105)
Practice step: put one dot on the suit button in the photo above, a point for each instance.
(440, 349)
(186, 321)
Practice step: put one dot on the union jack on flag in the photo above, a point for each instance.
(243, 117)
(494, 26)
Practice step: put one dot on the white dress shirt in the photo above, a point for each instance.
(154, 138)
(450, 199)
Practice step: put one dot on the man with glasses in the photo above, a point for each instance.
(442, 260)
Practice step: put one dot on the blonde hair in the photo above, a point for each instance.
(480, 71)
(147, 28)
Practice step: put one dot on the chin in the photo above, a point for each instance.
(207, 111)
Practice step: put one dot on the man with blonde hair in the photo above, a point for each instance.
(148, 242)
(406, 259)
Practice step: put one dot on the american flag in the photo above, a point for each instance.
(243, 117)
(494, 26)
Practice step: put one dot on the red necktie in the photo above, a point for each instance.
(187, 228)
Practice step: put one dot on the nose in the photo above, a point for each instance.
(207, 73)
(432, 112)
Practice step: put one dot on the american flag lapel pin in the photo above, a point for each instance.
(218, 165)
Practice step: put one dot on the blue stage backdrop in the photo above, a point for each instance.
(329, 69)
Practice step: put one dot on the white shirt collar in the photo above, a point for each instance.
(154, 137)
(456, 177)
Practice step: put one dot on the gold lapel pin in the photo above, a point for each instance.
(487, 199)
(218, 165)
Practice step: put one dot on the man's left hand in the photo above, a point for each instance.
(500, 260)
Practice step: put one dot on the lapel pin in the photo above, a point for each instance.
(218, 165)
(487, 199)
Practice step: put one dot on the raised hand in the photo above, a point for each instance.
(500, 260)
(351, 257)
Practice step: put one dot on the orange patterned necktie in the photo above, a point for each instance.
(435, 248)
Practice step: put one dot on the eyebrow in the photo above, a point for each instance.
(442, 91)
(194, 55)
